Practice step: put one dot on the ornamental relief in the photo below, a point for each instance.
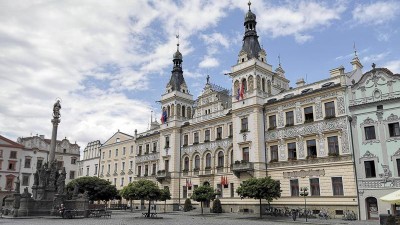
(368, 155)
(345, 145)
(201, 148)
(392, 118)
(300, 162)
(300, 146)
(299, 114)
(243, 113)
(318, 110)
(147, 157)
(367, 121)
(280, 117)
(321, 143)
(341, 105)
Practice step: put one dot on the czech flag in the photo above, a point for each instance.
(164, 117)
(242, 91)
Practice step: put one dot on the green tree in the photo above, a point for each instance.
(217, 208)
(165, 195)
(261, 188)
(143, 190)
(188, 205)
(128, 192)
(202, 194)
(97, 189)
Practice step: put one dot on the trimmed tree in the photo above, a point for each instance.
(217, 208)
(202, 194)
(146, 190)
(97, 189)
(261, 188)
(188, 205)
(128, 192)
(165, 195)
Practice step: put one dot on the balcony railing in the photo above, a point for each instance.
(243, 166)
(163, 175)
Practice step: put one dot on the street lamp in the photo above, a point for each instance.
(304, 193)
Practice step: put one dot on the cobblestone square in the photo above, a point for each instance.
(177, 218)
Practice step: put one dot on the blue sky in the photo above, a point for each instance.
(109, 61)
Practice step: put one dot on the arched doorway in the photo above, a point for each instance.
(372, 208)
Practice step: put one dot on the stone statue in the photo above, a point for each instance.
(56, 109)
(386, 173)
(42, 177)
(61, 182)
(26, 193)
(76, 191)
(17, 185)
(251, 83)
(52, 175)
(208, 79)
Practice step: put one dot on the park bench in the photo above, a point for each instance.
(100, 213)
(151, 214)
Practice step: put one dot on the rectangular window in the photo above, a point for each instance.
(115, 181)
(333, 145)
(289, 118)
(95, 169)
(314, 184)
(167, 142)
(370, 133)
(122, 181)
(139, 172)
(206, 135)
(294, 187)
(123, 150)
(311, 148)
(369, 169)
(219, 186)
(13, 155)
(154, 169)
(398, 167)
(102, 169)
(73, 161)
(115, 167)
(232, 190)
(109, 154)
(123, 166)
(9, 183)
(337, 186)
(329, 109)
(131, 149)
(246, 156)
(108, 168)
(244, 125)
(130, 165)
(185, 140)
(154, 146)
(195, 137)
(394, 129)
(272, 121)
(292, 151)
(184, 192)
(147, 149)
(308, 114)
(87, 171)
(39, 163)
(219, 133)
(27, 162)
(146, 170)
(60, 164)
(103, 154)
(25, 180)
(230, 130)
(11, 165)
(140, 150)
(130, 179)
(116, 152)
(166, 162)
(1, 153)
(71, 175)
(274, 153)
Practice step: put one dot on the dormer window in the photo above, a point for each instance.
(242, 59)
(117, 140)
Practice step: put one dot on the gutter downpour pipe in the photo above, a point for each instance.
(179, 170)
(354, 166)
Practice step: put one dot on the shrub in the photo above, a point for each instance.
(217, 208)
(188, 205)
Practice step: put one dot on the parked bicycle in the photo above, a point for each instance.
(323, 214)
(349, 215)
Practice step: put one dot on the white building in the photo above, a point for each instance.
(89, 165)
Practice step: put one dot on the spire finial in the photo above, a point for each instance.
(208, 78)
(355, 50)
(279, 59)
(177, 44)
(249, 5)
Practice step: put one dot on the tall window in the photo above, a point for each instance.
(71, 174)
(337, 186)
(308, 114)
(369, 169)
(147, 148)
(272, 121)
(116, 152)
(166, 141)
(314, 184)
(311, 148)
(244, 125)
(122, 181)
(166, 164)
(27, 162)
(232, 190)
(292, 151)
(207, 136)
(369, 133)
(208, 161)
(73, 161)
(246, 156)
(102, 169)
(186, 164)
(39, 163)
(230, 130)
(398, 167)
(108, 168)
(12, 165)
(289, 118)
(131, 149)
(146, 170)
(294, 187)
(139, 171)
(123, 166)
(25, 180)
(13, 155)
(123, 150)
(195, 137)
(220, 159)
(130, 165)
(219, 133)
(333, 145)
(109, 153)
(140, 150)
(95, 169)
(394, 129)
(185, 140)
(155, 146)
(154, 169)
(197, 162)
(329, 109)
(115, 167)
(274, 152)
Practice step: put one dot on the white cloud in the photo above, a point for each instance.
(209, 62)
(215, 39)
(375, 57)
(376, 13)
(393, 66)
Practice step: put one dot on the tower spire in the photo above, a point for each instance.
(250, 46)
(176, 81)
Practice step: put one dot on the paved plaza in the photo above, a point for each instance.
(176, 218)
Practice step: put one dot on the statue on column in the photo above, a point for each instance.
(56, 109)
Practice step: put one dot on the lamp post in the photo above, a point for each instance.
(304, 193)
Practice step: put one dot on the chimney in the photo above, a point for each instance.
(41, 136)
(300, 82)
(337, 71)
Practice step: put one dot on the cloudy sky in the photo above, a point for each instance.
(109, 61)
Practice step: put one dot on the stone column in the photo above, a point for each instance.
(55, 121)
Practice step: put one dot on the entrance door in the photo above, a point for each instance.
(372, 208)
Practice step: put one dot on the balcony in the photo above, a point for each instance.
(243, 167)
(207, 172)
(163, 175)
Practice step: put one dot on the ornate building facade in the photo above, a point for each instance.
(375, 109)
(89, 165)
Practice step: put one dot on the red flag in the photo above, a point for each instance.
(226, 181)
(222, 180)
(242, 90)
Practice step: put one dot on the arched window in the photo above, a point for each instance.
(169, 111)
(183, 111)
(189, 112)
(231, 157)
(186, 164)
(244, 84)
(208, 161)
(263, 84)
(197, 162)
(178, 110)
(221, 159)
(269, 86)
